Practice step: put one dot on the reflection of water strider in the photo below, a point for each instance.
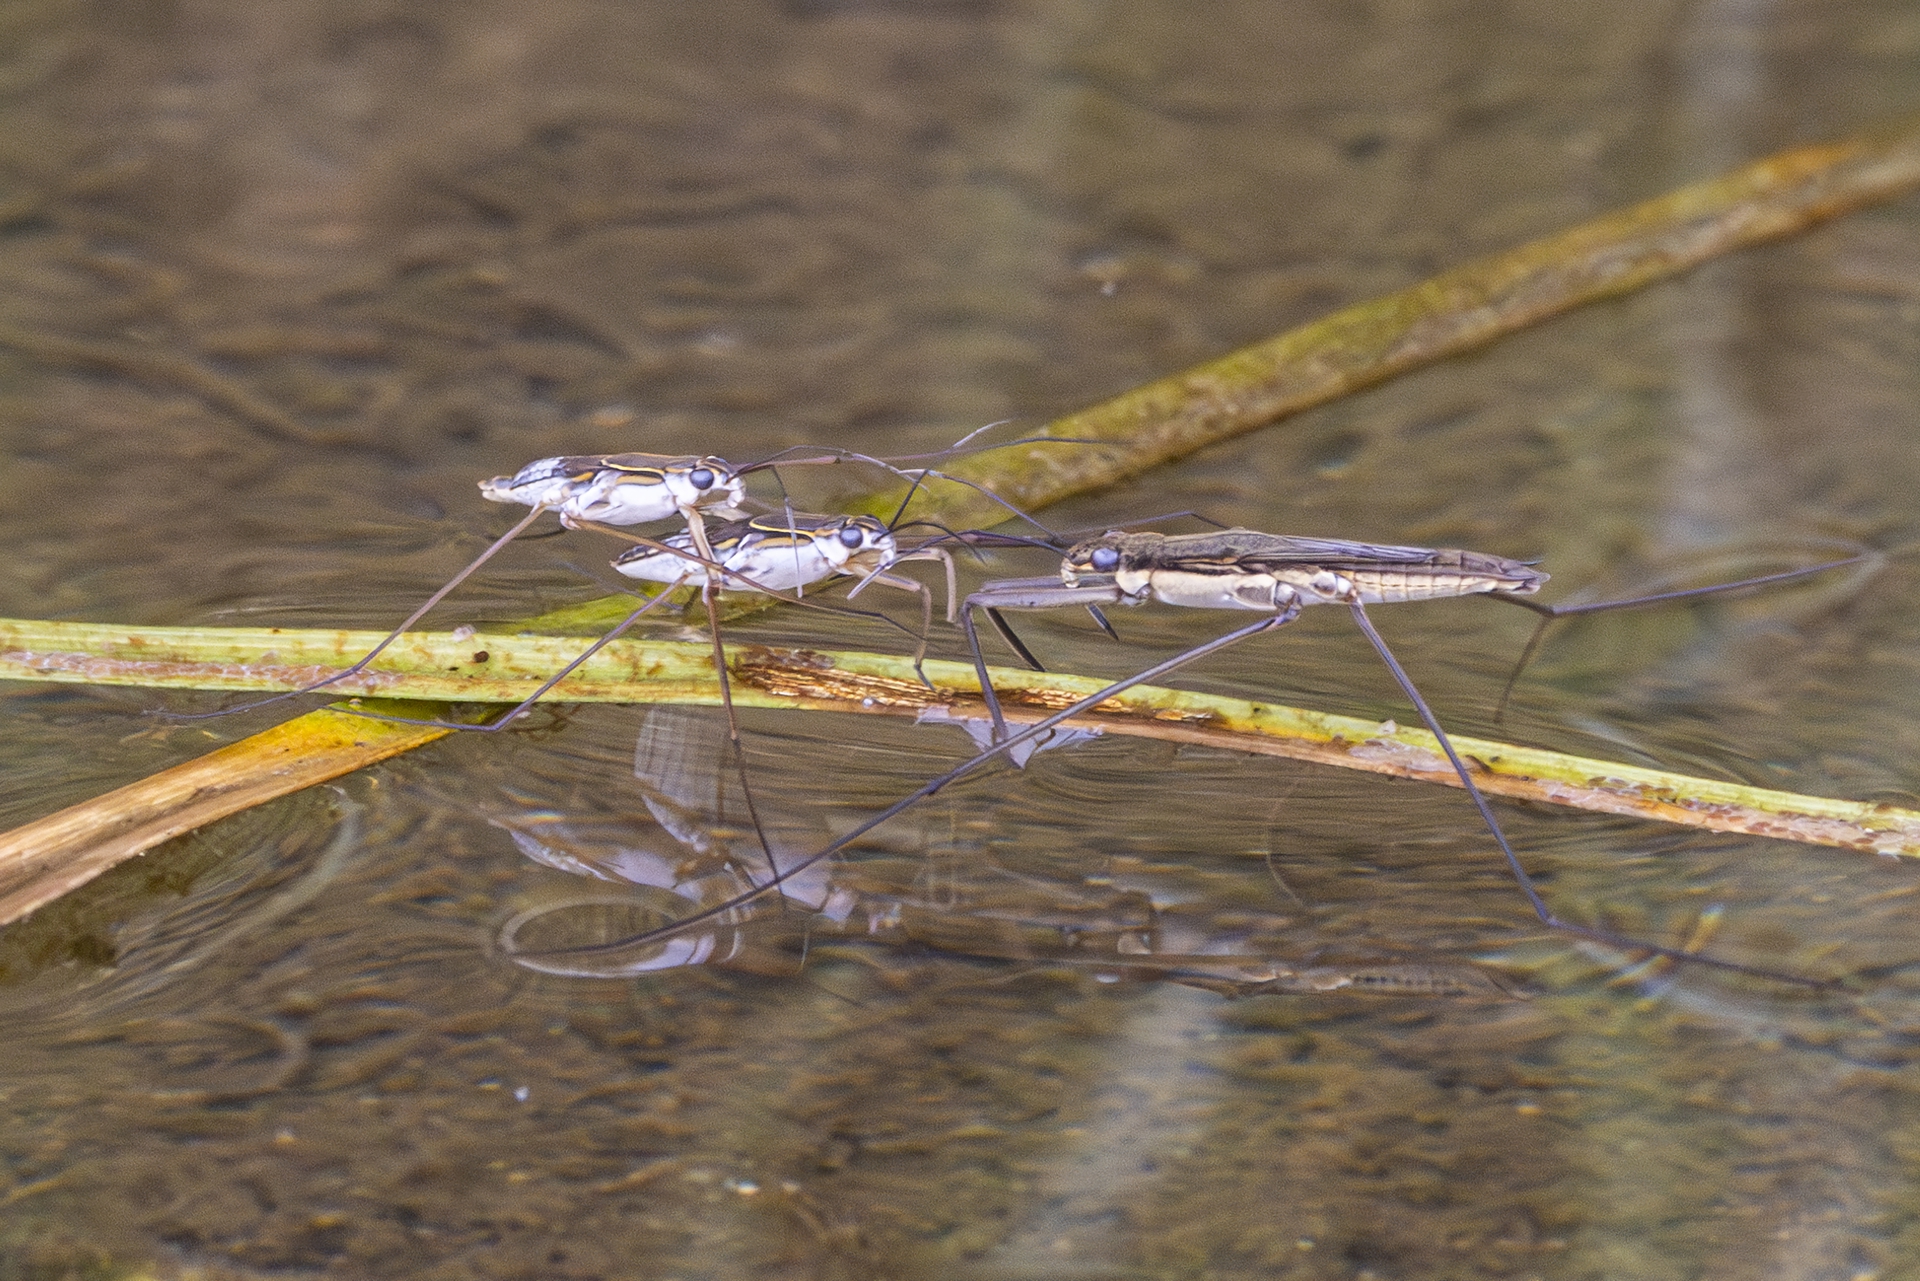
(1276, 575)
(1147, 925)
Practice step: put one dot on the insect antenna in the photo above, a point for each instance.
(1074, 535)
(915, 475)
(975, 539)
(827, 455)
(894, 521)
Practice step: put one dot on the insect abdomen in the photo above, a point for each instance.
(1457, 573)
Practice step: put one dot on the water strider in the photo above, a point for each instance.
(607, 489)
(622, 489)
(1276, 576)
(1279, 575)
(771, 554)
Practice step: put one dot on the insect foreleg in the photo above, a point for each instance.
(1021, 593)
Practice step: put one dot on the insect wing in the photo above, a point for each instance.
(1333, 553)
(1396, 573)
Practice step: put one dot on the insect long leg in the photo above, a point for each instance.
(361, 665)
(1527, 887)
(1549, 614)
(999, 748)
(697, 530)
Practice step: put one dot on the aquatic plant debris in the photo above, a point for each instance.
(44, 859)
(1354, 348)
(441, 666)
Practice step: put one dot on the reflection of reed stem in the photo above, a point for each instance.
(46, 858)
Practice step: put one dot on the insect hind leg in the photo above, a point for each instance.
(1546, 914)
(1550, 614)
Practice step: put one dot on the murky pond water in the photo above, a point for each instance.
(279, 283)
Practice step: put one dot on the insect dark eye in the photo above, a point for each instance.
(1104, 560)
(702, 477)
(851, 537)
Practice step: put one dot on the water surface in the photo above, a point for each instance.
(280, 284)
